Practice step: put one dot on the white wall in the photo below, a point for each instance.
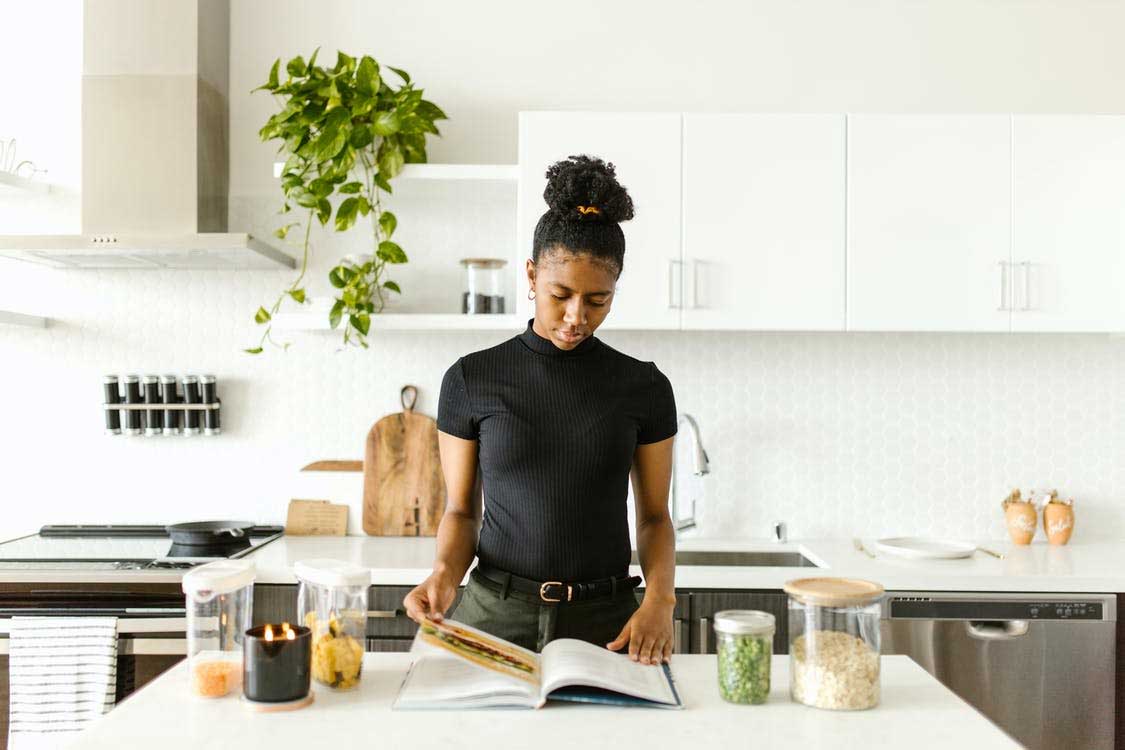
(836, 434)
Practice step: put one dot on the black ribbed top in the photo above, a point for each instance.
(557, 431)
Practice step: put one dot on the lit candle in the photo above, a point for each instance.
(276, 663)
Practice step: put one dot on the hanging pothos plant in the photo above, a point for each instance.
(344, 131)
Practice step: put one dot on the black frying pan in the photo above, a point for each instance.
(210, 533)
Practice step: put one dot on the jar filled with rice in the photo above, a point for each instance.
(834, 642)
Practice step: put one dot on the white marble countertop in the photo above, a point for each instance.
(1080, 567)
(915, 709)
(1093, 567)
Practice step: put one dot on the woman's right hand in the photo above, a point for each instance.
(430, 599)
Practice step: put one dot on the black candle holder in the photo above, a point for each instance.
(277, 670)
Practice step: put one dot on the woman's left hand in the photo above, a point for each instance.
(648, 633)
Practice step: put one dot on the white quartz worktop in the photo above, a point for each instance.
(1094, 567)
(915, 709)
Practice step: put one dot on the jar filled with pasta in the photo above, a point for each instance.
(332, 603)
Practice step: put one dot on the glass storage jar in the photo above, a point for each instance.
(219, 604)
(744, 643)
(834, 642)
(484, 288)
(332, 603)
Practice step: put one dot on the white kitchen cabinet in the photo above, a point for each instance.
(645, 148)
(929, 203)
(1068, 222)
(764, 210)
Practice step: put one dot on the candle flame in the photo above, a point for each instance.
(290, 634)
(284, 626)
(269, 633)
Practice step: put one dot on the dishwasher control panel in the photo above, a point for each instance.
(931, 608)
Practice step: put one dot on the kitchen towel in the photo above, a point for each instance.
(63, 676)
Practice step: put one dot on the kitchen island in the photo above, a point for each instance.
(916, 711)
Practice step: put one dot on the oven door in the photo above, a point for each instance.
(151, 638)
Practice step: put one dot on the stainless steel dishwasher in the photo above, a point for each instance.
(1041, 666)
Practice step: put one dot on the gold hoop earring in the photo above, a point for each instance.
(531, 294)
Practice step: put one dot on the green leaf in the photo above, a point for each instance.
(323, 210)
(390, 252)
(367, 76)
(387, 223)
(305, 198)
(401, 74)
(382, 184)
(272, 83)
(321, 187)
(336, 278)
(389, 159)
(364, 206)
(312, 60)
(283, 232)
(350, 187)
(361, 137)
(262, 316)
(361, 322)
(345, 214)
(298, 295)
(255, 350)
(430, 111)
(344, 62)
(386, 123)
(392, 286)
(336, 314)
(296, 67)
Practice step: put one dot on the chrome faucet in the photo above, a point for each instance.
(700, 465)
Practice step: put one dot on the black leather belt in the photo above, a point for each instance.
(558, 591)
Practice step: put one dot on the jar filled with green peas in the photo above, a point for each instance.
(744, 641)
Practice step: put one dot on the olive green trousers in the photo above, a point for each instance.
(528, 621)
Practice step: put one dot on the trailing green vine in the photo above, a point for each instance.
(346, 132)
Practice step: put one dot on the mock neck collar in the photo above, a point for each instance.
(540, 345)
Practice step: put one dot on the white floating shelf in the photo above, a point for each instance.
(481, 172)
(22, 319)
(315, 318)
(11, 180)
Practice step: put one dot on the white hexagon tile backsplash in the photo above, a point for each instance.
(836, 434)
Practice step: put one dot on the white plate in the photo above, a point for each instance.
(925, 549)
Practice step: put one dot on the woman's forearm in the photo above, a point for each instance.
(656, 549)
(456, 545)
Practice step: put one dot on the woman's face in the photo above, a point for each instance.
(573, 294)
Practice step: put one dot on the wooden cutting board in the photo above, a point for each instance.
(403, 488)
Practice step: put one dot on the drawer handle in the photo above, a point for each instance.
(996, 631)
(385, 613)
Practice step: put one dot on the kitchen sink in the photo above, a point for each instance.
(739, 559)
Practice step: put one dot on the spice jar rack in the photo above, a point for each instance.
(152, 405)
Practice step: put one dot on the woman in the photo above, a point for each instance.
(555, 421)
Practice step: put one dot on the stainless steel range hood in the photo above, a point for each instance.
(154, 145)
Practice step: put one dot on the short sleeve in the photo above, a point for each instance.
(455, 412)
(661, 422)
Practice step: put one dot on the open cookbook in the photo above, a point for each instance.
(462, 667)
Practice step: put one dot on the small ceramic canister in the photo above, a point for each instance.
(1020, 517)
(1058, 522)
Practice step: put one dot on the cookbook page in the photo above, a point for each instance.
(572, 662)
(444, 681)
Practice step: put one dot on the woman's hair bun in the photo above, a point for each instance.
(580, 183)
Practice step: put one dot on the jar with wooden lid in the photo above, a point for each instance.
(834, 642)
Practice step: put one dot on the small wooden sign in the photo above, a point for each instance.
(316, 518)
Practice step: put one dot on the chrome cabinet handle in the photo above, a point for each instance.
(695, 263)
(1004, 306)
(704, 635)
(1026, 266)
(385, 613)
(672, 263)
(677, 636)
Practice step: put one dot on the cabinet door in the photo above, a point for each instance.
(645, 149)
(704, 605)
(764, 222)
(929, 222)
(1068, 222)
